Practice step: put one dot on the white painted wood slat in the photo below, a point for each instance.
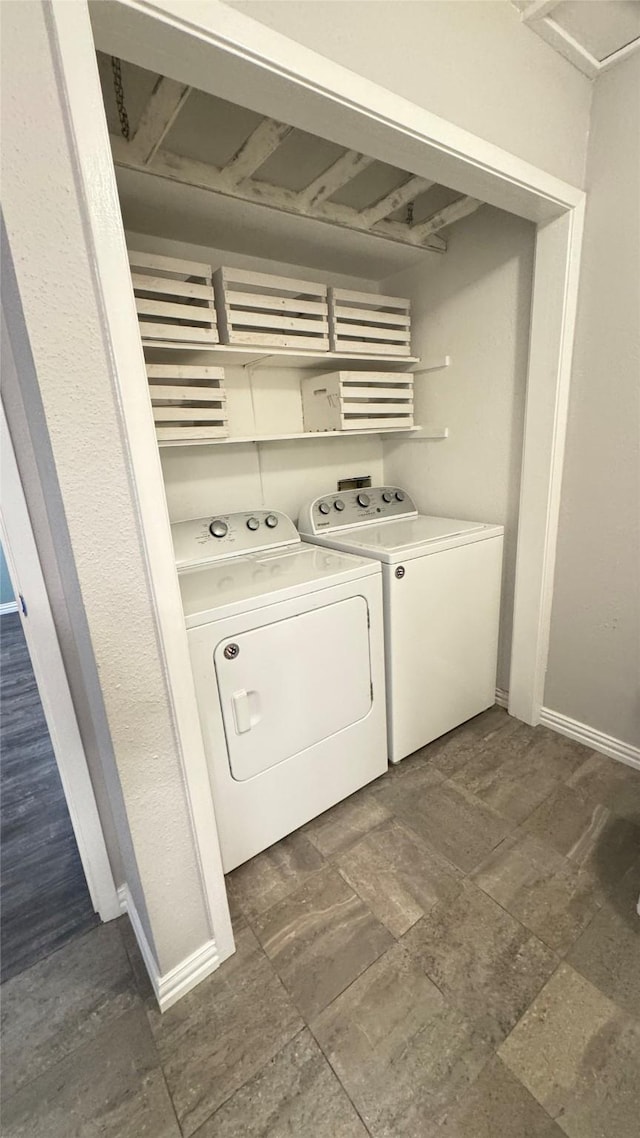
(182, 393)
(188, 434)
(189, 414)
(174, 298)
(300, 315)
(342, 400)
(365, 322)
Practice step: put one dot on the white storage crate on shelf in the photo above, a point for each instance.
(174, 299)
(357, 400)
(189, 402)
(260, 309)
(362, 322)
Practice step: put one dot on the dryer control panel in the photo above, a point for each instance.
(355, 507)
(202, 540)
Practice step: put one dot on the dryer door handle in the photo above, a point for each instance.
(246, 710)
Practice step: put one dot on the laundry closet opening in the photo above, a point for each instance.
(266, 263)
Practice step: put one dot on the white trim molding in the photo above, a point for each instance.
(591, 737)
(538, 15)
(174, 984)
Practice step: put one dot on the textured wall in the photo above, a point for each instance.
(594, 660)
(474, 64)
(474, 305)
(84, 424)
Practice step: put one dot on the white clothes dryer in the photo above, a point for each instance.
(441, 583)
(286, 644)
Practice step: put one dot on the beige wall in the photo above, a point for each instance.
(594, 664)
(473, 63)
(472, 304)
(82, 420)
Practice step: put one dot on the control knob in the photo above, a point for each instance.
(324, 507)
(271, 521)
(399, 496)
(387, 496)
(363, 500)
(253, 524)
(338, 504)
(218, 528)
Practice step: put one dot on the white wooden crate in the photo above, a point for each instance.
(260, 309)
(174, 299)
(189, 401)
(363, 322)
(357, 400)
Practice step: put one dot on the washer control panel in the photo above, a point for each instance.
(355, 507)
(201, 540)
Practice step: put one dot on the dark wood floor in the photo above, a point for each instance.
(44, 899)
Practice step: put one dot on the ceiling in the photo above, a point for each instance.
(594, 35)
(175, 179)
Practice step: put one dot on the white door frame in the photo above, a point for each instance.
(218, 50)
(48, 667)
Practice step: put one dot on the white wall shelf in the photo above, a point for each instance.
(392, 432)
(239, 356)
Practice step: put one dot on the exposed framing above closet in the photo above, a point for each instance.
(395, 215)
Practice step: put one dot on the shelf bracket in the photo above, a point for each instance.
(433, 365)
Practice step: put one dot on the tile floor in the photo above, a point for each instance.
(452, 952)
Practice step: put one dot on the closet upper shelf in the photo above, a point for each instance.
(391, 432)
(239, 356)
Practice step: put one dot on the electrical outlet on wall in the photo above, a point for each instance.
(356, 483)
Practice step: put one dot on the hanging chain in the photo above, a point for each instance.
(119, 90)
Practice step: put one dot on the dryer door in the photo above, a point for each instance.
(287, 685)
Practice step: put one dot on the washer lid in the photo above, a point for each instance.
(405, 538)
(240, 584)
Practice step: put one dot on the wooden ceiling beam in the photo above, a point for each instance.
(424, 230)
(259, 146)
(396, 199)
(343, 170)
(164, 105)
(189, 172)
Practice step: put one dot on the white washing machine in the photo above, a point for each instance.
(441, 581)
(286, 644)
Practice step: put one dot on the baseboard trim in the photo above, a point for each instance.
(591, 737)
(8, 606)
(173, 985)
(582, 733)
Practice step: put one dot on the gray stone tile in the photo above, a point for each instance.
(608, 952)
(607, 781)
(450, 752)
(481, 959)
(541, 888)
(518, 769)
(296, 1095)
(454, 822)
(400, 1050)
(112, 1087)
(398, 876)
(587, 833)
(578, 1054)
(260, 883)
(320, 938)
(223, 1032)
(346, 823)
(496, 1106)
(62, 1002)
(414, 777)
